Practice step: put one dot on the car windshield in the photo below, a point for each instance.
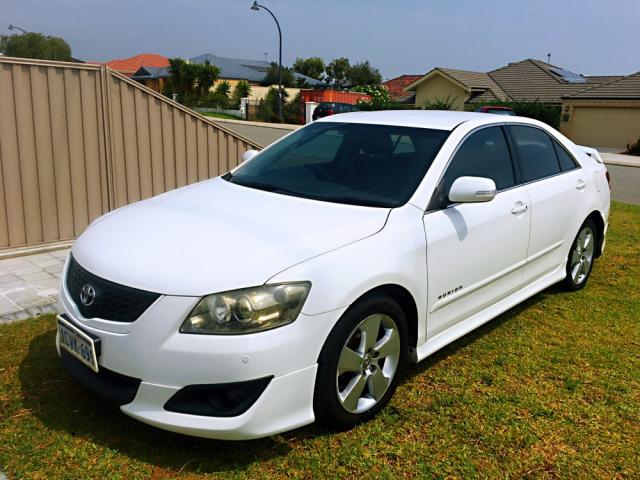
(359, 164)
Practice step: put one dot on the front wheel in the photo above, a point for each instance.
(581, 257)
(359, 364)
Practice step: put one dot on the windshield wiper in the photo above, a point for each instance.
(268, 188)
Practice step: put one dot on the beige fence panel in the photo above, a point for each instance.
(78, 140)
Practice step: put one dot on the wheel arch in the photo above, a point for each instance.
(406, 301)
(598, 219)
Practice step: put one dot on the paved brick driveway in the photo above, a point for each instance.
(29, 285)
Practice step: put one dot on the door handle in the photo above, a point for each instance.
(580, 185)
(520, 208)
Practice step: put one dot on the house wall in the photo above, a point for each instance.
(439, 88)
(601, 123)
(258, 91)
(79, 140)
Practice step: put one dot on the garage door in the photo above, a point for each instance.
(606, 126)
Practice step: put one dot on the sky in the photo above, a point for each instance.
(592, 37)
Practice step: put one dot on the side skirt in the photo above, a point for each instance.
(452, 334)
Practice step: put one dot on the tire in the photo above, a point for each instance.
(581, 257)
(371, 366)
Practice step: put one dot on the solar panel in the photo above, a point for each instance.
(568, 76)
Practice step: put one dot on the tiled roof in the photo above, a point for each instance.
(130, 65)
(151, 72)
(396, 85)
(621, 88)
(243, 69)
(531, 80)
(599, 79)
(477, 81)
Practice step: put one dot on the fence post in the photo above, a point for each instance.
(105, 90)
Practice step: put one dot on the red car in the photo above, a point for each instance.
(496, 109)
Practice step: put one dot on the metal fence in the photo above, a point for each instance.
(78, 140)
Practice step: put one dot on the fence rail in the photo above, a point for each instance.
(78, 140)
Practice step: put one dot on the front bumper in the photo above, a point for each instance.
(152, 350)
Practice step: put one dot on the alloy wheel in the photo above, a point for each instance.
(582, 255)
(368, 363)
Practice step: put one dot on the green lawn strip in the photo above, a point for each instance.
(225, 116)
(549, 389)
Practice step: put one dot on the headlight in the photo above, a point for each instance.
(247, 310)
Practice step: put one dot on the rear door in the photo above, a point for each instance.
(556, 186)
(475, 251)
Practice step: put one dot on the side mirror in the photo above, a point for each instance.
(248, 155)
(472, 190)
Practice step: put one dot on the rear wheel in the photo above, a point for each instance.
(581, 257)
(360, 362)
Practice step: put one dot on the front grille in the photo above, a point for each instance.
(112, 301)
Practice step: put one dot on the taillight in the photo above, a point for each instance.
(606, 174)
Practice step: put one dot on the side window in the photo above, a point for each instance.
(536, 153)
(566, 161)
(483, 154)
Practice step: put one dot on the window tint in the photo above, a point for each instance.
(484, 154)
(346, 163)
(536, 153)
(566, 161)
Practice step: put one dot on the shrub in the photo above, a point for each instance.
(241, 90)
(380, 98)
(549, 114)
(268, 107)
(634, 148)
(440, 103)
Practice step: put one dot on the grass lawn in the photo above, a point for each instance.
(549, 389)
(219, 115)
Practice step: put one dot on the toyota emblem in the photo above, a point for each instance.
(87, 295)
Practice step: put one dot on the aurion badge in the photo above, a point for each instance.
(87, 295)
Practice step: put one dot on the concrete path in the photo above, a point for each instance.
(620, 159)
(29, 285)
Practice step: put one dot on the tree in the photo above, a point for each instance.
(268, 108)
(271, 77)
(220, 96)
(311, 67)
(35, 45)
(337, 71)
(364, 73)
(241, 90)
(191, 81)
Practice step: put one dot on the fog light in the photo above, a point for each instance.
(217, 400)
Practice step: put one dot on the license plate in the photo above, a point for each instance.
(78, 343)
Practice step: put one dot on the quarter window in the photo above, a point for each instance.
(566, 161)
(536, 153)
(483, 154)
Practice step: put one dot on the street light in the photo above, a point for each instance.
(256, 6)
(13, 27)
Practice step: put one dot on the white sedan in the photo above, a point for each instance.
(293, 288)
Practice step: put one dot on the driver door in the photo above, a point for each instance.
(475, 251)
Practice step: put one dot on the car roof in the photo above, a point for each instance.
(436, 119)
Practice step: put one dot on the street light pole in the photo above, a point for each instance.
(256, 6)
(13, 27)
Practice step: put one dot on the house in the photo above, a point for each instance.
(153, 77)
(528, 80)
(605, 115)
(234, 70)
(129, 66)
(396, 87)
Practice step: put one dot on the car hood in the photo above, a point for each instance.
(214, 236)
